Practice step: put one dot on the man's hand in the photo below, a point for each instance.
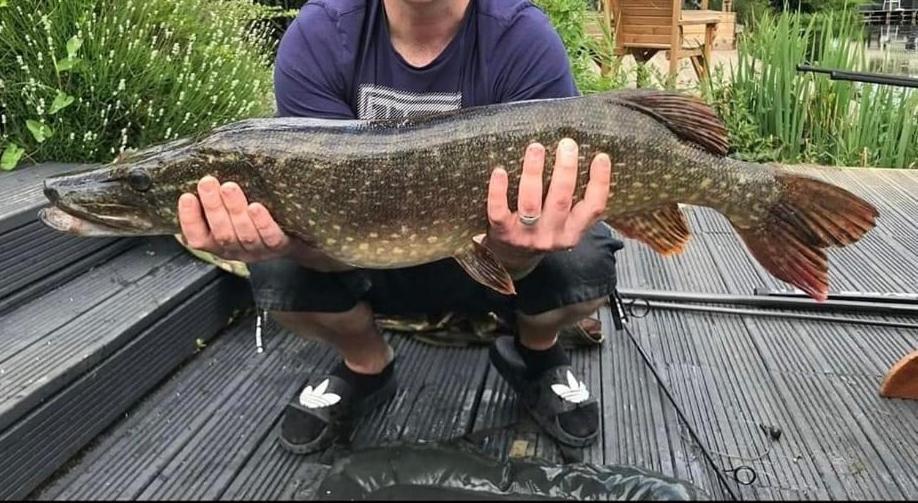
(223, 222)
(555, 227)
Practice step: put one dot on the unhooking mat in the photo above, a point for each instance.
(457, 472)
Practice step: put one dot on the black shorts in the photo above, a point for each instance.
(586, 272)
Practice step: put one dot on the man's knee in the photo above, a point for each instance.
(572, 281)
(565, 315)
(350, 321)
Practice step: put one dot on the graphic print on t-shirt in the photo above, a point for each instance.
(380, 102)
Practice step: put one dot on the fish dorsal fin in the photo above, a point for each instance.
(688, 117)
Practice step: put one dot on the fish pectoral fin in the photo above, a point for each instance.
(484, 267)
(664, 229)
(688, 117)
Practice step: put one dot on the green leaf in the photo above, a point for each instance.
(67, 64)
(3, 3)
(12, 153)
(73, 45)
(40, 131)
(61, 101)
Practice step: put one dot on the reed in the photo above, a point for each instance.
(806, 117)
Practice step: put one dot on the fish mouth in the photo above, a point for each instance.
(62, 221)
(74, 221)
(85, 206)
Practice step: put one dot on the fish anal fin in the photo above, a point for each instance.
(484, 267)
(664, 228)
(688, 117)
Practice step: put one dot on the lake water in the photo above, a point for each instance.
(893, 49)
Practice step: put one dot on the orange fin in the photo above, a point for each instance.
(664, 229)
(811, 216)
(688, 117)
(902, 379)
(484, 267)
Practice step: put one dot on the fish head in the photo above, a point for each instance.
(135, 195)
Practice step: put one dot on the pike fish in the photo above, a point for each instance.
(397, 193)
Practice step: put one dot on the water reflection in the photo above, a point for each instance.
(893, 49)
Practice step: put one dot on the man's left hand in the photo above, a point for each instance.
(521, 238)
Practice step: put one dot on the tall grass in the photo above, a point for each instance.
(84, 80)
(805, 117)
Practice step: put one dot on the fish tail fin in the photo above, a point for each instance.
(810, 216)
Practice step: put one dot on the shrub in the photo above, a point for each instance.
(84, 80)
(568, 18)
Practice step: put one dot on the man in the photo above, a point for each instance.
(373, 59)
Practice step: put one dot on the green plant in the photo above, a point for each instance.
(84, 80)
(805, 117)
(818, 5)
(585, 54)
(748, 11)
(731, 104)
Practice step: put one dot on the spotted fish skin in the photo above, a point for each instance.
(389, 194)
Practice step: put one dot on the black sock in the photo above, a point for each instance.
(537, 362)
(363, 384)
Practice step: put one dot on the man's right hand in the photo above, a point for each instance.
(223, 222)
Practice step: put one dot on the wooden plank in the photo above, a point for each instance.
(648, 46)
(49, 436)
(647, 30)
(648, 11)
(646, 20)
(633, 39)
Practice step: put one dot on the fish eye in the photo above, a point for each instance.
(139, 180)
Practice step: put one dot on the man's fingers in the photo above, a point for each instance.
(593, 205)
(498, 209)
(529, 201)
(237, 206)
(563, 183)
(271, 233)
(194, 227)
(217, 217)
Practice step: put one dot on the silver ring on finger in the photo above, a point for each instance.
(529, 220)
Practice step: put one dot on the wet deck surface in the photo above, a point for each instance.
(210, 431)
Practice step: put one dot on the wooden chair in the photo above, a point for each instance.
(644, 27)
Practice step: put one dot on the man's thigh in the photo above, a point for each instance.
(584, 273)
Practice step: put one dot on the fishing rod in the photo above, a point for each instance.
(882, 297)
(767, 314)
(904, 308)
(870, 78)
(620, 315)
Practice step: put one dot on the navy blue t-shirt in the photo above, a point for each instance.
(337, 61)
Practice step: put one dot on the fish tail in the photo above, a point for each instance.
(810, 216)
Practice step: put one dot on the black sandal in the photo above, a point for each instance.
(555, 393)
(333, 405)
